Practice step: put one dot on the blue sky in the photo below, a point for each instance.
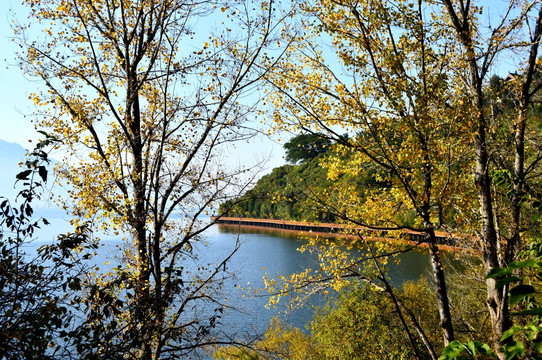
(15, 87)
(14, 102)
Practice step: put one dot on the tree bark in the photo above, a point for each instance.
(442, 293)
(497, 300)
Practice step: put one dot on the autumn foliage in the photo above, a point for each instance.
(145, 99)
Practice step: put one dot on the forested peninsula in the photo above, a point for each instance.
(296, 191)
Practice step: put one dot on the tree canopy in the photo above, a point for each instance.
(143, 99)
(305, 146)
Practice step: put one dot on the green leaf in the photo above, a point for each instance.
(499, 272)
(532, 263)
(510, 332)
(520, 292)
(532, 331)
(514, 349)
(455, 348)
(478, 347)
(485, 349)
(506, 280)
(535, 311)
(471, 347)
(452, 351)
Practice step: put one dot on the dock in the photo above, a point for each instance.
(445, 240)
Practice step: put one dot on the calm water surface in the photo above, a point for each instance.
(277, 253)
(261, 251)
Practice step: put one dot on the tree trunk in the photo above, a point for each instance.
(442, 293)
(497, 300)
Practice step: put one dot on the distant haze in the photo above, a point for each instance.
(11, 154)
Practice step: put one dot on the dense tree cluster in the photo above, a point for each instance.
(306, 146)
(294, 191)
(282, 194)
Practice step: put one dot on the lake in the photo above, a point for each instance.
(261, 251)
(276, 252)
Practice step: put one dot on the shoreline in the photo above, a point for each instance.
(445, 241)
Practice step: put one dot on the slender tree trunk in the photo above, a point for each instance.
(519, 175)
(436, 262)
(497, 300)
(139, 223)
(400, 307)
(442, 292)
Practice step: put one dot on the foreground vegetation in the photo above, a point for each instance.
(361, 323)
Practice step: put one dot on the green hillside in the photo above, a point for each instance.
(294, 191)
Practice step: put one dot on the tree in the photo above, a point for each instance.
(474, 62)
(306, 146)
(392, 97)
(143, 100)
(410, 75)
(282, 194)
(36, 289)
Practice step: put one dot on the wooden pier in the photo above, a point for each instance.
(444, 240)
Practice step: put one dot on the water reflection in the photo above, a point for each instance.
(275, 250)
(262, 250)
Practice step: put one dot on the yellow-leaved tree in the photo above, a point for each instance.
(476, 48)
(144, 97)
(390, 93)
(408, 81)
